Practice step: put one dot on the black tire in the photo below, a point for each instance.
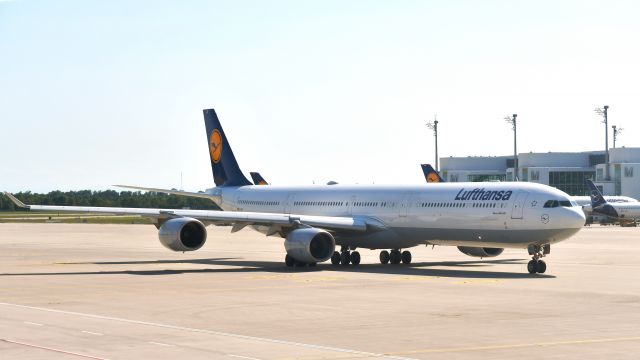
(384, 257)
(541, 267)
(355, 258)
(345, 258)
(289, 260)
(395, 257)
(406, 257)
(335, 258)
(313, 264)
(532, 267)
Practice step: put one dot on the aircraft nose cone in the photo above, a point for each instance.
(576, 217)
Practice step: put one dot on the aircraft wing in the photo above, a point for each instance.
(173, 192)
(238, 219)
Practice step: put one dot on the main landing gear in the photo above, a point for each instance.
(395, 256)
(291, 262)
(345, 257)
(536, 265)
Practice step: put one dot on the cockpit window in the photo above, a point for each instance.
(563, 203)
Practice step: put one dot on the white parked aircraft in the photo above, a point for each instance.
(480, 219)
(617, 210)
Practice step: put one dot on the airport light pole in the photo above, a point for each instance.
(616, 132)
(603, 112)
(433, 125)
(512, 121)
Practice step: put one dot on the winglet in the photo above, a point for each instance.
(16, 201)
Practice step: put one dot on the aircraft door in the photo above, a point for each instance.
(289, 203)
(518, 205)
(405, 204)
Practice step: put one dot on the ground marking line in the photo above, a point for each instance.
(160, 344)
(243, 357)
(211, 332)
(32, 323)
(515, 346)
(92, 333)
(52, 349)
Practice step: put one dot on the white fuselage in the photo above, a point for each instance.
(506, 214)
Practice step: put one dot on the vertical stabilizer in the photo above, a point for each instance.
(430, 174)
(258, 179)
(226, 171)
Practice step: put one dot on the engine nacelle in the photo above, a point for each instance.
(480, 252)
(310, 245)
(182, 234)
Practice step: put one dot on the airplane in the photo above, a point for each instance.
(623, 211)
(432, 175)
(258, 179)
(480, 219)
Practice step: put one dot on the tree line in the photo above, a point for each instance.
(133, 199)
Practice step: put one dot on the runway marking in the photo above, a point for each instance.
(160, 344)
(243, 357)
(92, 333)
(32, 323)
(516, 346)
(212, 332)
(52, 349)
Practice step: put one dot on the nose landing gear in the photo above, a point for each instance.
(536, 265)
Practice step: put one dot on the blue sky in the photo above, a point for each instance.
(94, 93)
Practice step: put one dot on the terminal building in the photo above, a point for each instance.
(563, 170)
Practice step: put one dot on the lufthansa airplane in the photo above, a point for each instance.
(618, 210)
(480, 219)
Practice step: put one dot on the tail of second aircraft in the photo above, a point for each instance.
(226, 171)
(598, 203)
(258, 179)
(430, 174)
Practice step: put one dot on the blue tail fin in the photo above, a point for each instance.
(226, 171)
(596, 196)
(258, 179)
(598, 203)
(430, 174)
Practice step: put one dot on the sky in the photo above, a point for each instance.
(95, 93)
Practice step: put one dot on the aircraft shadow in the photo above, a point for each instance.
(453, 269)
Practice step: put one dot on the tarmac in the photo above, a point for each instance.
(72, 291)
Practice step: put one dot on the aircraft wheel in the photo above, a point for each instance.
(406, 257)
(541, 267)
(395, 257)
(345, 258)
(335, 258)
(384, 257)
(532, 267)
(289, 260)
(355, 258)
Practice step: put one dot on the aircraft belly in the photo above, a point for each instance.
(408, 237)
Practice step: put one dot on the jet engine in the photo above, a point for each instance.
(480, 252)
(310, 245)
(182, 234)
